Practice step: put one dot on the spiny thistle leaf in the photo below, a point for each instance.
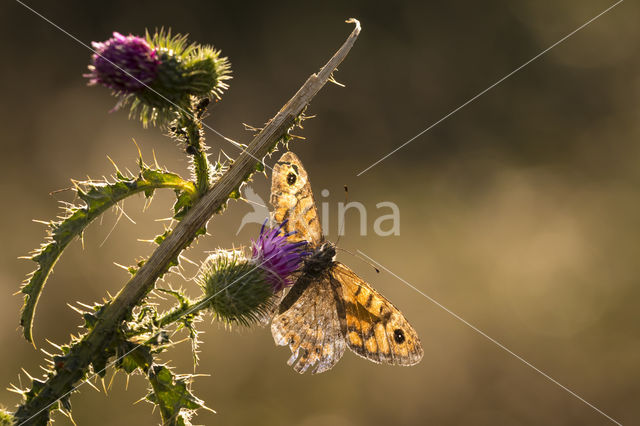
(147, 322)
(98, 197)
(91, 317)
(172, 394)
(131, 356)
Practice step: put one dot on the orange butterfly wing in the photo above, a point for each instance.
(374, 328)
(292, 200)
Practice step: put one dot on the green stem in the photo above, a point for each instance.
(201, 167)
(177, 313)
(189, 126)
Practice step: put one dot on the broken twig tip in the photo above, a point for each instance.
(354, 21)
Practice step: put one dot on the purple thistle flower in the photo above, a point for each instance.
(124, 64)
(277, 256)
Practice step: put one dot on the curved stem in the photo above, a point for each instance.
(98, 198)
(189, 126)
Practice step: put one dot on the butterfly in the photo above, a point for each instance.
(329, 307)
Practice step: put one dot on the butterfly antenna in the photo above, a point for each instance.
(359, 257)
(346, 199)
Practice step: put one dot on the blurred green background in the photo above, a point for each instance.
(520, 213)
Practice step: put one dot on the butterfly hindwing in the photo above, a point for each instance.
(308, 322)
(292, 200)
(375, 329)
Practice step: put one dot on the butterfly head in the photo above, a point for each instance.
(320, 260)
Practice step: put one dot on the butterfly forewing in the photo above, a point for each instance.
(292, 200)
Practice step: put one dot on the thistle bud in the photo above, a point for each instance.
(240, 289)
(157, 75)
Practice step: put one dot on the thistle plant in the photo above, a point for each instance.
(164, 81)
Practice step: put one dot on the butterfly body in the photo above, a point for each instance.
(320, 261)
(329, 307)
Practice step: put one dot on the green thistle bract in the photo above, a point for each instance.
(236, 290)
